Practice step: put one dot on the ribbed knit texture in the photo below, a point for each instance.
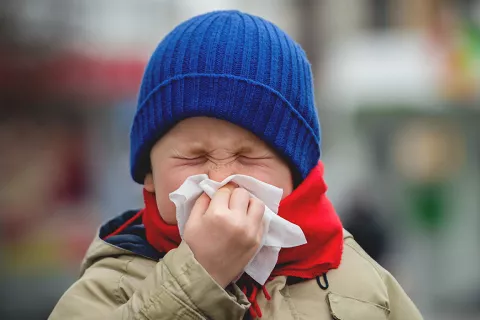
(235, 67)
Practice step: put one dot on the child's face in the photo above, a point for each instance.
(213, 147)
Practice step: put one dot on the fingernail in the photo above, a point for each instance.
(230, 185)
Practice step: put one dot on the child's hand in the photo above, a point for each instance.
(224, 233)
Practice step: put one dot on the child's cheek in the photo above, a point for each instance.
(167, 181)
(176, 177)
(167, 210)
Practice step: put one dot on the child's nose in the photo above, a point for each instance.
(218, 172)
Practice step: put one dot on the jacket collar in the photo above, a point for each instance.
(130, 241)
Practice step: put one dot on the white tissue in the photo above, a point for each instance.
(279, 233)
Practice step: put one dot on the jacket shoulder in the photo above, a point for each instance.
(106, 284)
(355, 290)
(362, 282)
(359, 276)
(99, 251)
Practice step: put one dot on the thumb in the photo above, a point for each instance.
(200, 207)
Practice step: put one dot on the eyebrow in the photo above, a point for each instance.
(190, 146)
(197, 150)
(246, 148)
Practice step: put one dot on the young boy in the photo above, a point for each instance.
(228, 93)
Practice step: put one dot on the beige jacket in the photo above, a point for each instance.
(117, 284)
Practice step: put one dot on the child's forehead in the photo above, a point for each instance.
(211, 141)
(205, 141)
(205, 134)
(200, 132)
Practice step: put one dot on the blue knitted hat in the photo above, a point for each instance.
(231, 66)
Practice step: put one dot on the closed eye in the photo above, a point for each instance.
(251, 160)
(190, 160)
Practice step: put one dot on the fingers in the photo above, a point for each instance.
(230, 186)
(200, 206)
(235, 199)
(221, 198)
(256, 210)
(260, 231)
(239, 200)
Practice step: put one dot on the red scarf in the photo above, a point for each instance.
(307, 206)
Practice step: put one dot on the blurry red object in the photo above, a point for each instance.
(70, 75)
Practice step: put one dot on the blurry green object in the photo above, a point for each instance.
(428, 203)
(471, 35)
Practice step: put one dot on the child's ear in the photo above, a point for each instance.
(148, 183)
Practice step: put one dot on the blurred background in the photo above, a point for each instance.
(398, 93)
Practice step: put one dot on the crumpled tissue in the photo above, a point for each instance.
(278, 233)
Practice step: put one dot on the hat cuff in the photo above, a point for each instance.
(249, 104)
